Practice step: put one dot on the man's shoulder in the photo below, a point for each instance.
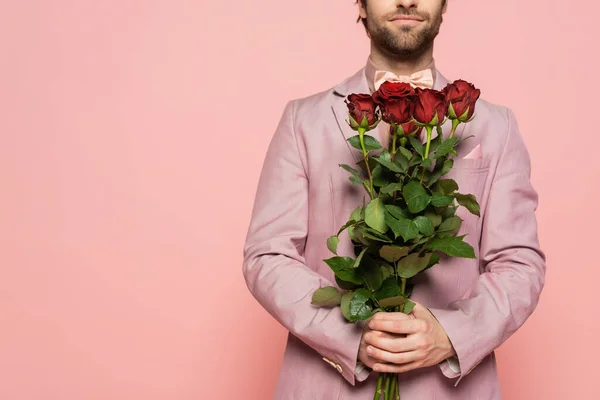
(321, 100)
(324, 99)
(485, 111)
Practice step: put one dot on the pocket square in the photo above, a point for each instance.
(474, 154)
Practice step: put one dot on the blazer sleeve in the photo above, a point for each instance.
(274, 265)
(508, 289)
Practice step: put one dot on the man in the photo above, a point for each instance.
(465, 308)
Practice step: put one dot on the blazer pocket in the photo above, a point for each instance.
(472, 163)
(471, 176)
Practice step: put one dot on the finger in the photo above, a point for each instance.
(406, 326)
(390, 315)
(390, 357)
(398, 368)
(391, 342)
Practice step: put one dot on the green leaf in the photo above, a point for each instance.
(408, 307)
(373, 273)
(359, 258)
(436, 141)
(374, 215)
(393, 253)
(412, 264)
(337, 263)
(379, 178)
(435, 219)
(353, 171)
(415, 196)
(393, 301)
(389, 165)
(433, 260)
(347, 225)
(447, 186)
(419, 240)
(375, 235)
(357, 233)
(389, 288)
(449, 212)
(384, 155)
(345, 305)
(342, 267)
(345, 285)
(357, 214)
(416, 144)
(362, 164)
(416, 160)
(356, 180)
(359, 309)
(402, 227)
(468, 201)
(332, 243)
(349, 275)
(449, 227)
(398, 212)
(445, 168)
(424, 224)
(453, 246)
(370, 143)
(426, 163)
(401, 160)
(389, 189)
(446, 147)
(441, 200)
(327, 296)
(405, 152)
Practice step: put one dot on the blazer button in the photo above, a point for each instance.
(334, 365)
(339, 368)
(328, 361)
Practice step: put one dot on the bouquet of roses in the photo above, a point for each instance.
(409, 221)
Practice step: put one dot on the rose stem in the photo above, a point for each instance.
(455, 123)
(397, 390)
(403, 285)
(393, 386)
(361, 134)
(378, 391)
(429, 129)
(394, 154)
(387, 386)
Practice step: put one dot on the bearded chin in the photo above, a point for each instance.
(408, 42)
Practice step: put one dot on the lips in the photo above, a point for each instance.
(406, 18)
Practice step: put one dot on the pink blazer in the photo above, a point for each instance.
(303, 197)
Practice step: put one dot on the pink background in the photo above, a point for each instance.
(133, 133)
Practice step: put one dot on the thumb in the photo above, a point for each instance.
(418, 310)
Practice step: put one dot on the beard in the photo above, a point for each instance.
(406, 40)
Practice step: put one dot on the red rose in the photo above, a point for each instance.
(431, 106)
(410, 128)
(407, 129)
(393, 91)
(461, 97)
(396, 101)
(361, 106)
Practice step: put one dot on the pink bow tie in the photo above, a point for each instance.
(423, 78)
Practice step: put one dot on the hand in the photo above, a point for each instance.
(363, 356)
(406, 342)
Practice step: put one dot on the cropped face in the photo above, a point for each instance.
(403, 27)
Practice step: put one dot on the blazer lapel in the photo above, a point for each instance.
(356, 83)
